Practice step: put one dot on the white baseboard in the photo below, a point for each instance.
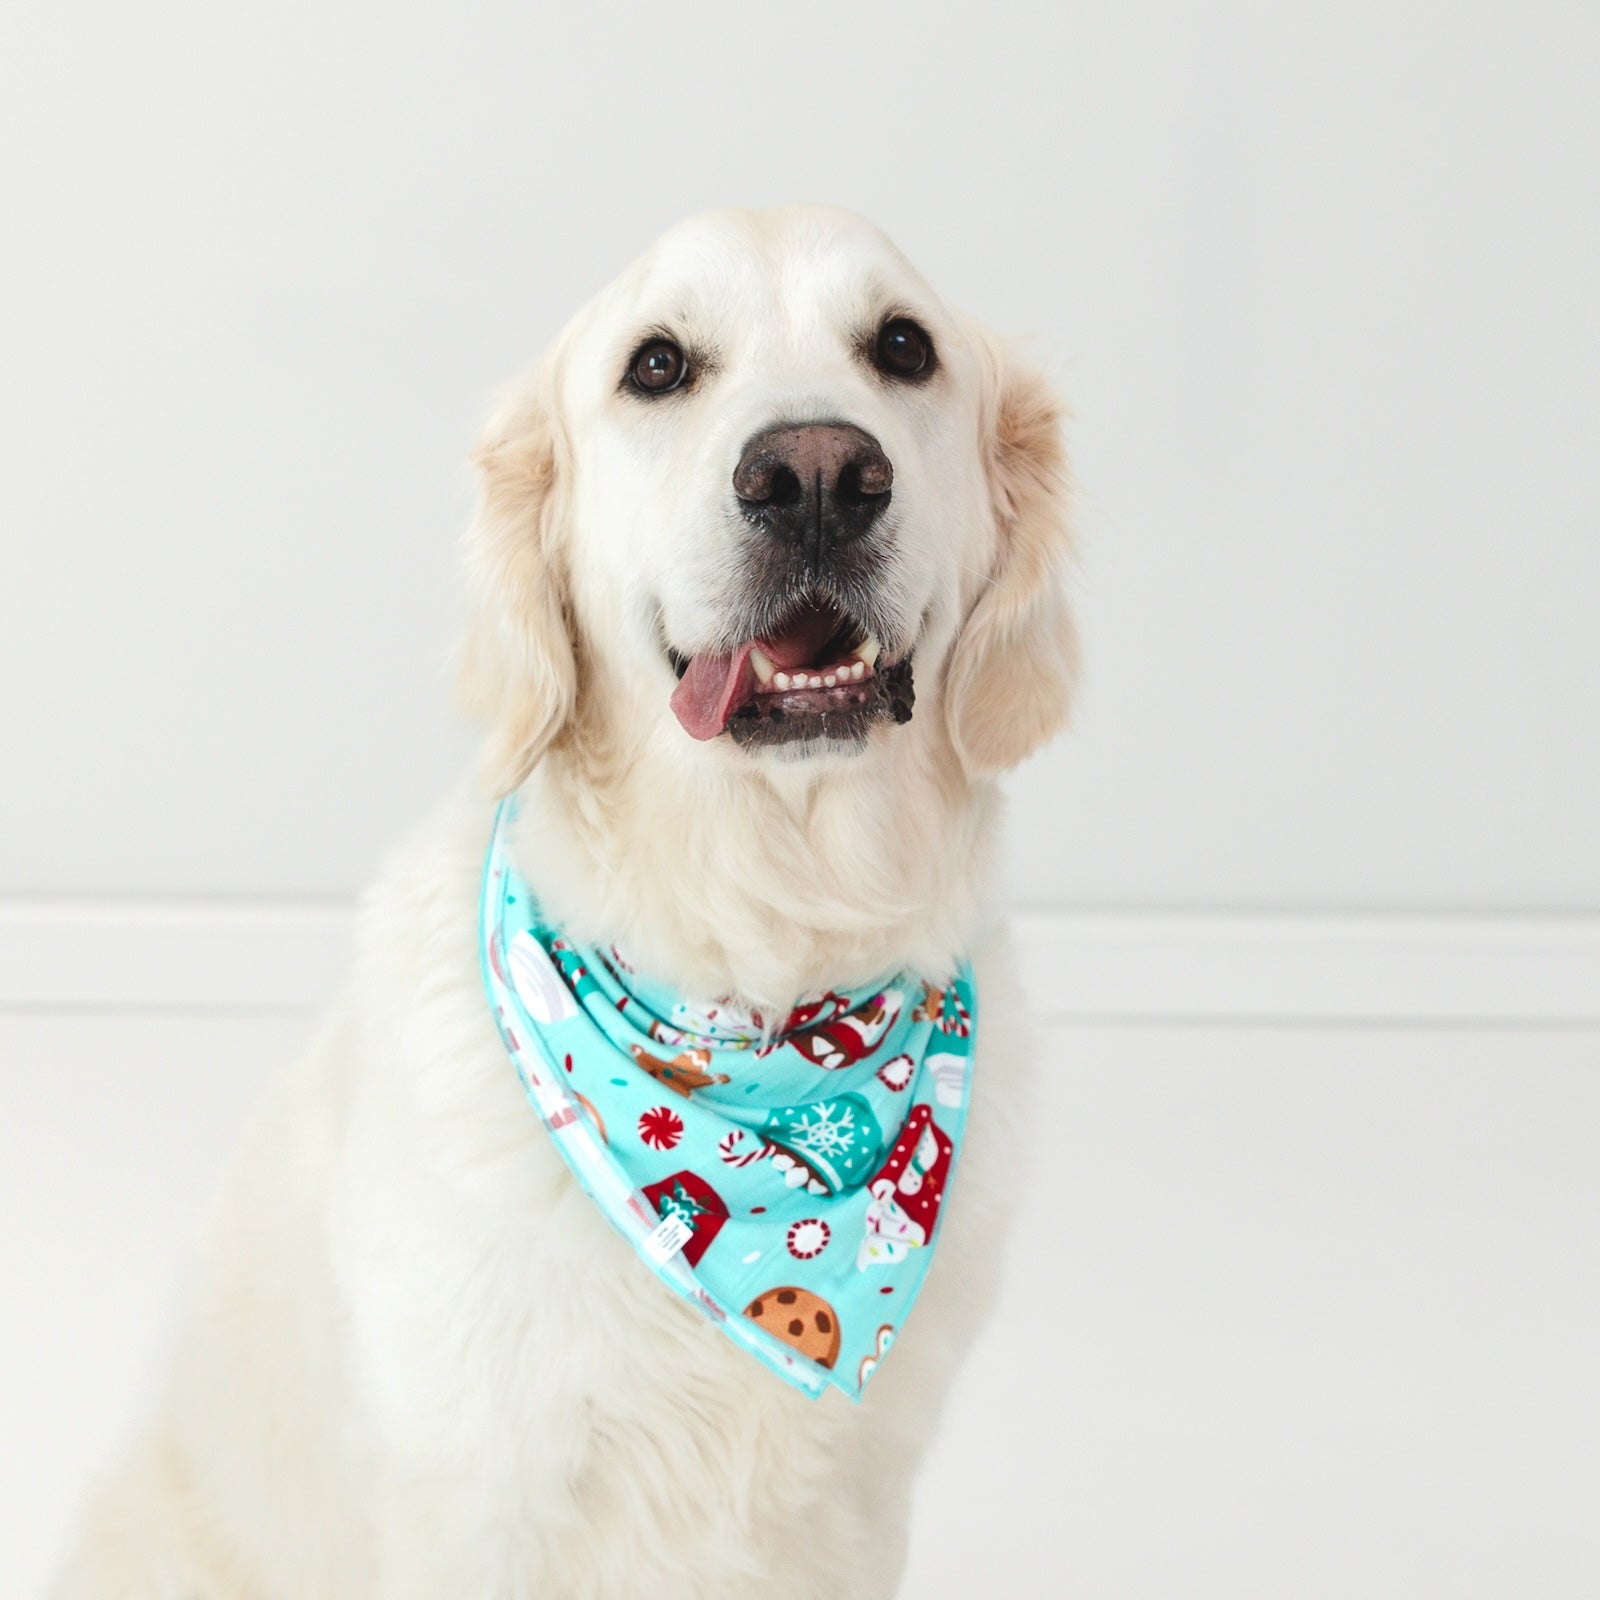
(1336, 968)
(1078, 966)
(171, 956)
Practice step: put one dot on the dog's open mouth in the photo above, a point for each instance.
(818, 675)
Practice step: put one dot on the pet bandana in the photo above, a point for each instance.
(788, 1181)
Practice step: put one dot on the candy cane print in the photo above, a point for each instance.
(956, 1019)
(728, 1149)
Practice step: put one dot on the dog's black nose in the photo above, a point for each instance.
(814, 485)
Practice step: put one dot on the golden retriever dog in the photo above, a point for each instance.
(767, 591)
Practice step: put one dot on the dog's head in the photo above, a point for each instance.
(764, 497)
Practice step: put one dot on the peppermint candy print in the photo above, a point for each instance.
(808, 1238)
(661, 1128)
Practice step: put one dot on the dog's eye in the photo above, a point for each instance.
(904, 350)
(658, 366)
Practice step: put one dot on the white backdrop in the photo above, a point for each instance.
(1319, 281)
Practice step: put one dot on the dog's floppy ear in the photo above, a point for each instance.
(517, 670)
(1013, 668)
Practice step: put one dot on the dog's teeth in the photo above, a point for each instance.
(830, 681)
(816, 680)
(859, 671)
(867, 650)
(763, 666)
(780, 680)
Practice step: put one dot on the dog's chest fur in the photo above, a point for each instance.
(432, 1347)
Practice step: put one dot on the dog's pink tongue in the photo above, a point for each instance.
(714, 687)
(710, 690)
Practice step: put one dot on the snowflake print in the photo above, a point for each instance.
(827, 1129)
(808, 1238)
(661, 1127)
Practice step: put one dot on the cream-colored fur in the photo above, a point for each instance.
(417, 1362)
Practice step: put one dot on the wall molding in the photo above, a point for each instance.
(1327, 967)
(1079, 966)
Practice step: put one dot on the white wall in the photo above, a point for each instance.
(1319, 280)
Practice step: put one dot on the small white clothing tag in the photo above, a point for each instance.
(671, 1234)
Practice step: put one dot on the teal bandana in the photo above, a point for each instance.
(786, 1181)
